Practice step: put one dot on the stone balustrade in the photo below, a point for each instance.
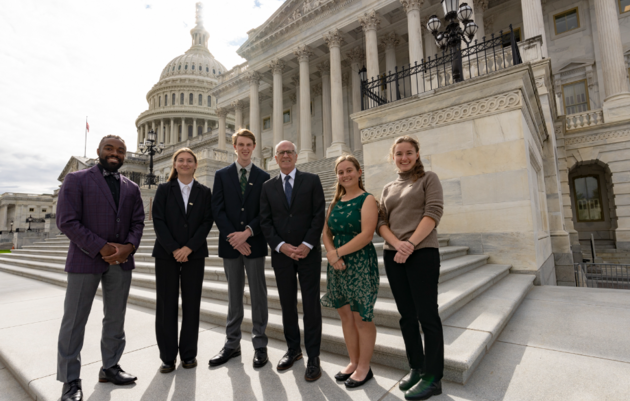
(222, 155)
(585, 119)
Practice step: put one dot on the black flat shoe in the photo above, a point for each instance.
(260, 357)
(190, 364)
(350, 383)
(342, 377)
(313, 370)
(225, 355)
(411, 379)
(116, 375)
(289, 359)
(167, 367)
(424, 390)
(72, 391)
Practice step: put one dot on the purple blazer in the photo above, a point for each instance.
(86, 213)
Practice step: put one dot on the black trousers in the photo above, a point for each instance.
(414, 285)
(167, 278)
(309, 276)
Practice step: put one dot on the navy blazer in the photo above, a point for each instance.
(234, 211)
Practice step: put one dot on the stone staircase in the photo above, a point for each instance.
(476, 298)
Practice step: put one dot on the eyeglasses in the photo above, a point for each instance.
(285, 152)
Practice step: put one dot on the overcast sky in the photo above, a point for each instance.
(63, 60)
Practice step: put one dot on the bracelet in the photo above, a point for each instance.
(414, 245)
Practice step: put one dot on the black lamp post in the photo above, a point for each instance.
(151, 148)
(11, 226)
(30, 220)
(453, 34)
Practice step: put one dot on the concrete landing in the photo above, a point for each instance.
(562, 343)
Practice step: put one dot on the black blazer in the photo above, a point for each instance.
(174, 227)
(234, 211)
(302, 222)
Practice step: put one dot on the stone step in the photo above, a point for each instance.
(468, 333)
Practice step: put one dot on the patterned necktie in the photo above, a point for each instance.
(243, 180)
(288, 189)
(116, 174)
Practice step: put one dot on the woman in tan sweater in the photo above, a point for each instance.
(410, 209)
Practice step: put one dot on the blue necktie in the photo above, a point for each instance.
(288, 189)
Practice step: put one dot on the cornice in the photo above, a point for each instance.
(168, 111)
(602, 136)
(498, 103)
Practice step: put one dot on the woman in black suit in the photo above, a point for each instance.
(182, 216)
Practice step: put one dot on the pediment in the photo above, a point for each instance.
(573, 64)
(76, 163)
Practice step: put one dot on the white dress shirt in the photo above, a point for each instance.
(185, 192)
(292, 182)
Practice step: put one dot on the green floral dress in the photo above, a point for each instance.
(357, 285)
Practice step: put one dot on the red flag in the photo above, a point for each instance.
(87, 126)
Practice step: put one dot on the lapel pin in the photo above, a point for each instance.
(190, 203)
(251, 183)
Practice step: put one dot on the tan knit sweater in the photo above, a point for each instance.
(404, 203)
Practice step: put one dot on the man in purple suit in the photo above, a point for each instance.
(101, 212)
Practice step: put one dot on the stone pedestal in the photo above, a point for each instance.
(484, 140)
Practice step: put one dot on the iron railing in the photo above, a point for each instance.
(602, 275)
(140, 178)
(481, 58)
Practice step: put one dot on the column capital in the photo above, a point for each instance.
(222, 111)
(324, 67)
(317, 89)
(371, 20)
(296, 80)
(277, 66)
(356, 55)
(253, 77)
(303, 53)
(410, 5)
(391, 40)
(238, 105)
(334, 38)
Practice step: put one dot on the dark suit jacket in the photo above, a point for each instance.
(302, 222)
(175, 227)
(233, 211)
(87, 214)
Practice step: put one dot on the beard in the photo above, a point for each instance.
(112, 168)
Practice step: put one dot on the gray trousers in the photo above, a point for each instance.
(80, 293)
(235, 271)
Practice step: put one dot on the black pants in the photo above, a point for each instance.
(167, 278)
(309, 276)
(414, 285)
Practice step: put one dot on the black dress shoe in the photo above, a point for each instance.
(260, 357)
(72, 391)
(313, 371)
(342, 377)
(411, 379)
(190, 364)
(288, 359)
(351, 383)
(225, 355)
(424, 390)
(116, 375)
(167, 367)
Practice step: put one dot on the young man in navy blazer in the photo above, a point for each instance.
(236, 209)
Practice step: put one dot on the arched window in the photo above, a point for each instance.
(165, 100)
(190, 131)
(186, 67)
(199, 129)
(207, 69)
(181, 98)
(193, 66)
(173, 100)
(214, 72)
(209, 100)
(190, 99)
(179, 67)
(200, 100)
(160, 101)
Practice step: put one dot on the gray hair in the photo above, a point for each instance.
(294, 147)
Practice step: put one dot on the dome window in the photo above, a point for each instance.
(181, 98)
(207, 69)
(193, 67)
(173, 99)
(165, 100)
(209, 100)
(213, 71)
(186, 67)
(180, 67)
(190, 99)
(200, 100)
(160, 101)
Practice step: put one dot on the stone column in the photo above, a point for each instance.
(161, 136)
(296, 116)
(222, 112)
(194, 127)
(277, 66)
(324, 70)
(205, 125)
(238, 114)
(172, 140)
(479, 7)
(139, 134)
(533, 23)
(338, 146)
(414, 27)
(370, 22)
(390, 42)
(306, 155)
(617, 97)
(356, 57)
(254, 111)
(153, 126)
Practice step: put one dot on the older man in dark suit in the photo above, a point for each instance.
(102, 214)
(292, 218)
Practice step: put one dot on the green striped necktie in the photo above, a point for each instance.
(243, 180)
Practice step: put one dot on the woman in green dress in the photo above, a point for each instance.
(353, 276)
